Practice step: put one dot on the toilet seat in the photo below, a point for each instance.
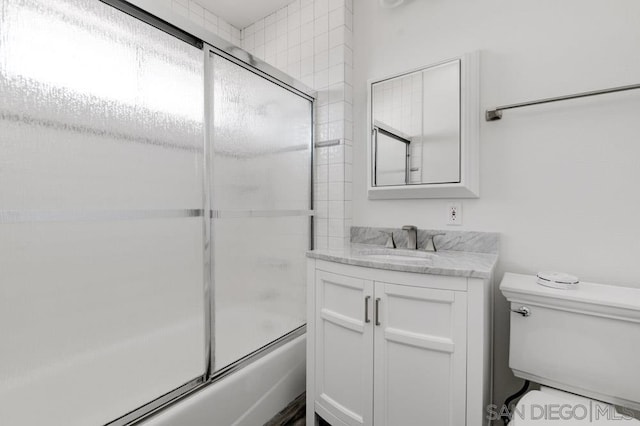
(552, 407)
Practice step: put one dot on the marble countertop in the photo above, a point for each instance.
(452, 263)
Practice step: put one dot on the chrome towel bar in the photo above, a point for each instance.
(496, 113)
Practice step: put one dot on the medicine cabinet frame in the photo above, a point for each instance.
(469, 184)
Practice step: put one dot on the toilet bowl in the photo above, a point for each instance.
(582, 345)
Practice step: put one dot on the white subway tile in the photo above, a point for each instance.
(321, 243)
(336, 227)
(294, 54)
(307, 80)
(321, 25)
(294, 37)
(322, 114)
(293, 7)
(249, 42)
(293, 21)
(336, 74)
(322, 97)
(281, 60)
(196, 9)
(306, 50)
(306, 65)
(224, 26)
(281, 27)
(336, 174)
(336, 155)
(321, 61)
(321, 43)
(210, 26)
(180, 9)
(211, 17)
(270, 32)
(281, 44)
(336, 129)
(321, 79)
(336, 37)
(335, 243)
(320, 7)
(306, 32)
(270, 49)
(259, 37)
(198, 19)
(259, 51)
(336, 189)
(270, 19)
(336, 111)
(306, 14)
(334, 4)
(321, 226)
(336, 209)
(293, 69)
(337, 18)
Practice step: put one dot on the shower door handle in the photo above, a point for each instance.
(366, 309)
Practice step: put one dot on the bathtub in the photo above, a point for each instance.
(248, 397)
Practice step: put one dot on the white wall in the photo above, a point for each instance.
(558, 182)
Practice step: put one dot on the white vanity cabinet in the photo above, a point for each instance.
(390, 348)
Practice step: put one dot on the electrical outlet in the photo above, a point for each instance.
(454, 214)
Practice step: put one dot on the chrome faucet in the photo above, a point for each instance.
(412, 236)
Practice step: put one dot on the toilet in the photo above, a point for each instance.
(581, 345)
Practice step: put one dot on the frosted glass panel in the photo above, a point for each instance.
(260, 271)
(98, 110)
(100, 120)
(261, 161)
(261, 142)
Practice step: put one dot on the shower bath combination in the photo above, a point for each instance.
(155, 210)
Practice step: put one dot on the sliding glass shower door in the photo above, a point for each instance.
(261, 199)
(155, 211)
(101, 224)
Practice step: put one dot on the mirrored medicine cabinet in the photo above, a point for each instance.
(423, 128)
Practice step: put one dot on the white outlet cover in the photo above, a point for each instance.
(454, 213)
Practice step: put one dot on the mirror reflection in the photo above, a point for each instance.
(416, 127)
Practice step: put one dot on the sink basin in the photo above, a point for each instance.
(397, 255)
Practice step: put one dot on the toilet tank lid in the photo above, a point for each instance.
(589, 297)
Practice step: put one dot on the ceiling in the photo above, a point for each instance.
(242, 13)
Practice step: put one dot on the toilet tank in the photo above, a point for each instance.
(584, 340)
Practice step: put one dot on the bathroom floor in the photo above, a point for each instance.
(292, 415)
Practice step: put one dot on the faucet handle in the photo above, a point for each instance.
(390, 241)
(409, 228)
(433, 241)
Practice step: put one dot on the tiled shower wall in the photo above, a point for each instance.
(311, 40)
(195, 12)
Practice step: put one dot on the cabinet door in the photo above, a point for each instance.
(420, 356)
(344, 342)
